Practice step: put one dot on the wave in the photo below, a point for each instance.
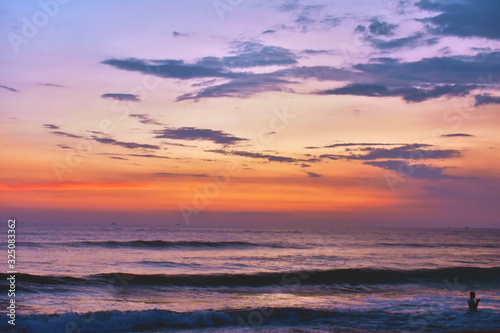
(243, 319)
(159, 244)
(440, 245)
(352, 276)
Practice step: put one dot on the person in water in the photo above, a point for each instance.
(472, 302)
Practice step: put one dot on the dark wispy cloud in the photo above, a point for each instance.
(321, 73)
(52, 85)
(251, 54)
(413, 151)
(269, 31)
(9, 88)
(51, 126)
(241, 88)
(150, 156)
(378, 27)
(129, 145)
(122, 97)
(270, 158)
(413, 41)
(408, 94)
(314, 52)
(179, 34)
(454, 70)
(69, 135)
(486, 99)
(308, 17)
(331, 156)
(336, 145)
(197, 134)
(242, 85)
(314, 174)
(454, 135)
(419, 95)
(418, 171)
(176, 69)
(379, 34)
(63, 146)
(118, 158)
(168, 174)
(381, 28)
(177, 144)
(245, 54)
(383, 76)
(464, 18)
(145, 119)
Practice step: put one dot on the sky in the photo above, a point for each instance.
(239, 113)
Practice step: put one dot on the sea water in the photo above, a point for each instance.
(159, 279)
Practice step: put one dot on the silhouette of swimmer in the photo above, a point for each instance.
(472, 302)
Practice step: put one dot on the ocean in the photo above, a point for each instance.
(172, 279)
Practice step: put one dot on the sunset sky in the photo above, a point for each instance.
(251, 113)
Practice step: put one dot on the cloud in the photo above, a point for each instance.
(289, 5)
(314, 174)
(384, 60)
(380, 28)
(122, 97)
(178, 34)
(414, 151)
(309, 17)
(241, 88)
(331, 156)
(310, 51)
(241, 84)
(63, 146)
(118, 158)
(176, 69)
(168, 174)
(145, 119)
(197, 134)
(149, 156)
(251, 54)
(336, 145)
(408, 94)
(486, 99)
(177, 144)
(69, 135)
(321, 73)
(51, 85)
(246, 54)
(410, 41)
(419, 95)
(418, 171)
(455, 70)
(453, 135)
(359, 90)
(51, 126)
(270, 158)
(269, 31)
(128, 145)
(9, 89)
(464, 18)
